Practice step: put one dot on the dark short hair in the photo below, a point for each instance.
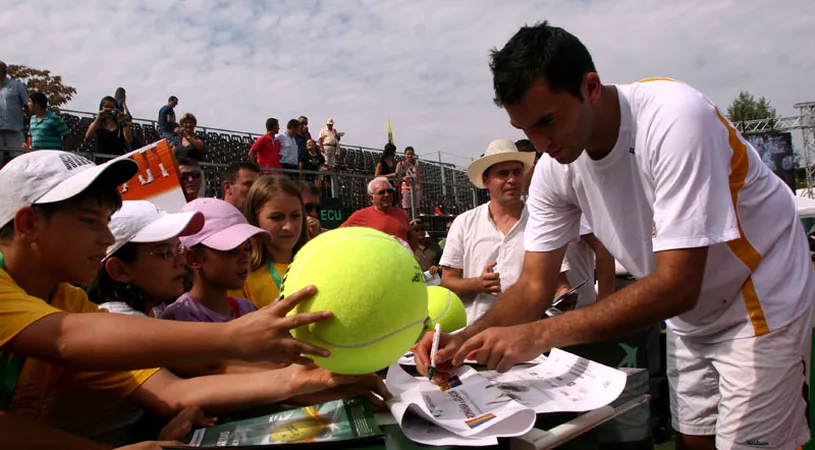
(525, 145)
(231, 173)
(271, 122)
(172, 98)
(310, 188)
(188, 162)
(389, 148)
(539, 51)
(293, 124)
(40, 99)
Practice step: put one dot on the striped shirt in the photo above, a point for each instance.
(47, 133)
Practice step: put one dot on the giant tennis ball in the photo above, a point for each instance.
(445, 307)
(375, 289)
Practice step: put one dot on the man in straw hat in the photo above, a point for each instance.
(484, 251)
(684, 202)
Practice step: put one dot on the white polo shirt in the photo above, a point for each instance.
(475, 241)
(581, 267)
(680, 176)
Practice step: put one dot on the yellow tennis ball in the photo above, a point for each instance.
(299, 431)
(375, 289)
(446, 308)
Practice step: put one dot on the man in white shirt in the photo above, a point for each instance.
(682, 200)
(484, 251)
(288, 146)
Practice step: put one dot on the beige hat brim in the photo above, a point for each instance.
(476, 169)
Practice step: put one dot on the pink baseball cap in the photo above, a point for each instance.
(225, 228)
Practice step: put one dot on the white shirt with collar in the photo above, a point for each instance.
(475, 241)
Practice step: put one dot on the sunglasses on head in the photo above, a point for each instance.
(309, 207)
(193, 175)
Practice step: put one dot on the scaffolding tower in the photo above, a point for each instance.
(805, 121)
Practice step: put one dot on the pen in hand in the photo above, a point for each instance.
(433, 350)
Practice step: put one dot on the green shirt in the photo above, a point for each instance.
(47, 133)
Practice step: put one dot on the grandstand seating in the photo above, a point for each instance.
(452, 191)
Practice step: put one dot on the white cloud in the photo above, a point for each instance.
(423, 64)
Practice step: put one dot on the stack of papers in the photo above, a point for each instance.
(475, 408)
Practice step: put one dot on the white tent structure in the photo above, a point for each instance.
(806, 205)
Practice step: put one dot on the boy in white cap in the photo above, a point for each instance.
(54, 231)
(484, 250)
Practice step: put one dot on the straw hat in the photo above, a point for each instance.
(499, 151)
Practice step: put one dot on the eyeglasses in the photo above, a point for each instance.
(169, 253)
(309, 207)
(304, 123)
(192, 175)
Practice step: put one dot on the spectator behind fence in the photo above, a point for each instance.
(304, 125)
(443, 241)
(330, 143)
(166, 120)
(312, 161)
(312, 205)
(275, 205)
(187, 144)
(301, 137)
(288, 146)
(191, 178)
(46, 129)
(386, 167)
(382, 215)
(408, 171)
(13, 100)
(427, 251)
(121, 101)
(111, 128)
(218, 256)
(237, 180)
(265, 152)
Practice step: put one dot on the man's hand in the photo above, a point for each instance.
(434, 270)
(181, 425)
(448, 346)
(314, 227)
(490, 281)
(501, 348)
(264, 334)
(312, 384)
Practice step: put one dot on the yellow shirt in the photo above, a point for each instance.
(38, 378)
(260, 287)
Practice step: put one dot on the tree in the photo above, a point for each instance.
(37, 80)
(746, 107)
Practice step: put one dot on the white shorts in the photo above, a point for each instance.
(748, 392)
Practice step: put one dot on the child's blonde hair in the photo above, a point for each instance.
(263, 189)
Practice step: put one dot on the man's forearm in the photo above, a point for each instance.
(73, 340)
(519, 304)
(632, 308)
(463, 287)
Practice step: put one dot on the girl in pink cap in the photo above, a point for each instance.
(218, 257)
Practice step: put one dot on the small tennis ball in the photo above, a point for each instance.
(304, 430)
(375, 289)
(445, 307)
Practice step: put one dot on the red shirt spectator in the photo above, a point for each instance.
(265, 152)
(382, 215)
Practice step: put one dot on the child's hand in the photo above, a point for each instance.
(189, 418)
(264, 334)
(312, 384)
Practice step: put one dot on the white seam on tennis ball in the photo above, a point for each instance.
(446, 308)
(363, 344)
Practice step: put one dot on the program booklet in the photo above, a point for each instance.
(324, 423)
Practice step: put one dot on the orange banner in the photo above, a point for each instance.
(157, 180)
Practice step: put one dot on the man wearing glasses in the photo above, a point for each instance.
(191, 178)
(312, 205)
(382, 215)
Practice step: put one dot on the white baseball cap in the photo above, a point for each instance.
(143, 222)
(49, 176)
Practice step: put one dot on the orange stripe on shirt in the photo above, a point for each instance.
(741, 247)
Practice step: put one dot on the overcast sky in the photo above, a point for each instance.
(421, 63)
